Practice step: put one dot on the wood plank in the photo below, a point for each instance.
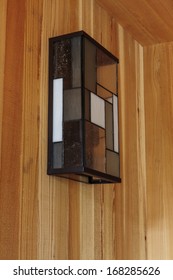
(158, 61)
(51, 217)
(3, 13)
(10, 173)
(106, 33)
(59, 199)
(30, 131)
(105, 29)
(86, 16)
(129, 205)
(149, 22)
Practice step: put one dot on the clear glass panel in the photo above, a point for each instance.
(72, 104)
(58, 155)
(105, 94)
(90, 66)
(97, 110)
(106, 71)
(112, 163)
(57, 110)
(109, 126)
(72, 143)
(95, 147)
(115, 115)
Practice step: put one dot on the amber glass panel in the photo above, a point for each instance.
(112, 163)
(72, 104)
(95, 147)
(72, 143)
(58, 155)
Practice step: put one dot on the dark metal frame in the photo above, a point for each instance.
(94, 176)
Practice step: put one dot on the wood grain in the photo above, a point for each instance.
(30, 131)
(148, 22)
(129, 198)
(3, 13)
(11, 125)
(58, 218)
(46, 217)
(58, 198)
(158, 62)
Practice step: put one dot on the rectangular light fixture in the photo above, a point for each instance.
(83, 141)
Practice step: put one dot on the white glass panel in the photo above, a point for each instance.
(57, 109)
(97, 110)
(115, 116)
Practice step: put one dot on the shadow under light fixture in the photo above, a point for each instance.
(83, 137)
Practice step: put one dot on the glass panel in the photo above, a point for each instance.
(97, 110)
(109, 126)
(57, 110)
(87, 105)
(67, 61)
(76, 62)
(62, 62)
(106, 71)
(106, 76)
(72, 143)
(115, 115)
(90, 66)
(103, 58)
(112, 163)
(72, 104)
(105, 94)
(58, 155)
(95, 147)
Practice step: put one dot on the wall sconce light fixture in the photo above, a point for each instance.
(83, 137)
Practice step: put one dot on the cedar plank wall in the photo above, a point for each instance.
(43, 217)
(158, 61)
(12, 49)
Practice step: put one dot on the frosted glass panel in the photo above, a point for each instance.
(115, 114)
(57, 109)
(97, 110)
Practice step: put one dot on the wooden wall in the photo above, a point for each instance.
(43, 217)
(158, 61)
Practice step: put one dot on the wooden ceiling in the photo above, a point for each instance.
(149, 21)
